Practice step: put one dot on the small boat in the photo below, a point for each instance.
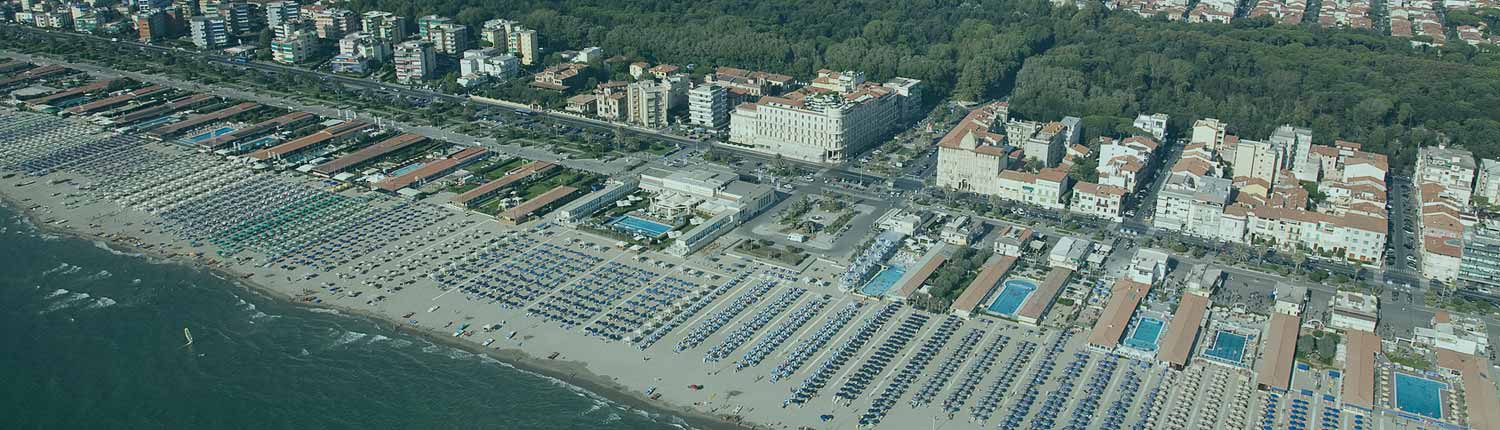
(651, 390)
(432, 309)
(408, 315)
(553, 356)
(511, 335)
(187, 334)
(656, 396)
(489, 341)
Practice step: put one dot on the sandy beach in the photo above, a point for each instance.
(119, 236)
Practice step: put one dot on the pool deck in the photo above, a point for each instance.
(1122, 303)
(984, 284)
(915, 279)
(1045, 294)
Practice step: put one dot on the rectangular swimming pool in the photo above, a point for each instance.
(1146, 333)
(211, 134)
(635, 225)
(883, 281)
(1228, 347)
(1419, 395)
(1012, 296)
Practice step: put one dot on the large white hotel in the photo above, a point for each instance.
(838, 115)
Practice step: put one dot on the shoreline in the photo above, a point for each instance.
(574, 373)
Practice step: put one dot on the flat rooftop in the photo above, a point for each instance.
(1359, 368)
(1182, 333)
(1110, 328)
(1479, 390)
(1280, 342)
(368, 153)
(920, 276)
(431, 170)
(523, 172)
(989, 278)
(304, 142)
(200, 119)
(525, 209)
(1042, 298)
(109, 102)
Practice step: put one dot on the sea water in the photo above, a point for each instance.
(93, 339)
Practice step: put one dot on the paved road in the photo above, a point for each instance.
(507, 108)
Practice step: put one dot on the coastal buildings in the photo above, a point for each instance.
(209, 32)
(384, 25)
(560, 77)
(448, 38)
(151, 25)
(296, 47)
(1047, 189)
(358, 51)
(970, 156)
(482, 65)
(512, 37)
(1153, 124)
(650, 101)
(1444, 180)
(415, 61)
(708, 107)
(837, 116)
(1479, 267)
(1452, 169)
(334, 23)
(723, 201)
(1350, 310)
(1195, 206)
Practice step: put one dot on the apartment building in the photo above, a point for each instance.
(1153, 124)
(209, 32)
(451, 39)
(1261, 160)
(386, 26)
(649, 102)
(1194, 205)
(426, 23)
(297, 47)
(1451, 168)
(281, 14)
(1126, 163)
(151, 25)
(1487, 181)
(1043, 142)
(523, 44)
(839, 115)
(1096, 200)
(708, 107)
(358, 51)
(748, 83)
(1048, 188)
(1295, 143)
(1210, 133)
(415, 61)
(334, 23)
(1479, 267)
(481, 65)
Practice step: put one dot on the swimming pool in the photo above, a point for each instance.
(259, 143)
(1012, 296)
(641, 226)
(211, 134)
(1228, 347)
(1419, 395)
(407, 169)
(1146, 333)
(883, 281)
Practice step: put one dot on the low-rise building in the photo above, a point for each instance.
(586, 206)
(358, 51)
(1193, 206)
(1153, 124)
(1102, 201)
(961, 230)
(561, 77)
(481, 65)
(1013, 240)
(1149, 266)
(1070, 252)
(714, 200)
(1047, 189)
(1349, 310)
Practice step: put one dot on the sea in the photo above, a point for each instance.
(92, 338)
